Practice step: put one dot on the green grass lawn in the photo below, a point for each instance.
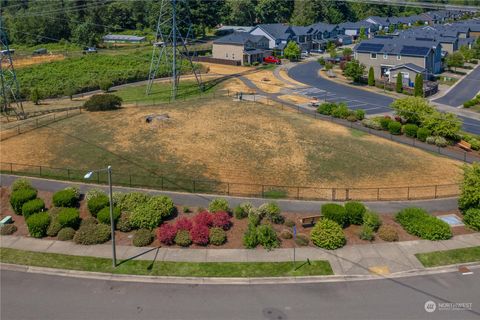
(443, 258)
(179, 269)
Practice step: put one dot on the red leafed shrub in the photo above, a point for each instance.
(221, 219)
(203, 218)
(166, 233)
(184, 224)
(199, 234)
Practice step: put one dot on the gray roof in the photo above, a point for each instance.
(466, 41)
(122, 37)
(410, 66)
(253, 51)
(238, 38)
(355, 25)
(276, 30)
(384, 21)
(406, 47)
(301, 31)
(236, 28)
(322, 27)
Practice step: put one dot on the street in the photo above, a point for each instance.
(465, 90)
(37, 296)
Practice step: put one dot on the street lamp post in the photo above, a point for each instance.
(112, 222)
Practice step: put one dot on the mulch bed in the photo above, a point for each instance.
(234, 235)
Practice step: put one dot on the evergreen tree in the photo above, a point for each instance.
(419, 85)
(399, 87)
(304, 13)
(371, 77)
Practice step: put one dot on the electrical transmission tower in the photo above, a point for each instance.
(10, 91)
(174, 33)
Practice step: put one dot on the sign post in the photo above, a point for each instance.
(294, 242)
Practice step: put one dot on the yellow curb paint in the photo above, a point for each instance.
(381, 270)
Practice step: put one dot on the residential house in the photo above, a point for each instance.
(241, 46)
(278, 35)
(385, 53)
(354, 28)
(223, 30)
(409, 73)
(381, 23)
(448, 38)
(302, 36)
(322, 33)
(122, 38)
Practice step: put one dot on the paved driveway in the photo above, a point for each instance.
(465, 90)
(372, 103)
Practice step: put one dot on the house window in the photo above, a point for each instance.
(399, 57)
(385, 56)
(233, 56)
(226, 55)
(373, 56)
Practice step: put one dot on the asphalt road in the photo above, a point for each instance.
(465, 90)
(36, 296)
(372, 103)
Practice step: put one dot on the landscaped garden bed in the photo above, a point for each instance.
(145, 220)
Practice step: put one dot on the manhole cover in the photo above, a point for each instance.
(451, 219)
(274, 314)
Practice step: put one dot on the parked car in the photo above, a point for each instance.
(272, 59)
(305, 54)
(39, 51)
(317, 51)
(89, 50)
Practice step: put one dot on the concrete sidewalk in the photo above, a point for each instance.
(383, 258)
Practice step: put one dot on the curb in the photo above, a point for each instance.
(229, 281)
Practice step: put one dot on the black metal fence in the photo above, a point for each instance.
(160, 182)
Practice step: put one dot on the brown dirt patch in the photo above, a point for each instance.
(28, 61)
(225, 69)
(266, 81)
(295, 98)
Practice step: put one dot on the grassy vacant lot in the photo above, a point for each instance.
(442, 258)
(179, 269)
(220, 139)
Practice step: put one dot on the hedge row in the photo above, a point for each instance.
(418, 222)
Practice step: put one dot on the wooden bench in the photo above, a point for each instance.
(6, 220)
(465, 145)
(310, 220)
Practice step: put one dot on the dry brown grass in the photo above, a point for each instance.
(225, 69)
(295, 98)
(284, 74)
(236, 142)
(24, 62)
(235, 85)
(266, 81)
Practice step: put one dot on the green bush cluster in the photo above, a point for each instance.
(250, 239)
(473, 102)
(38, 224)
(267, 237)
(142, 238)
(372, 220)
(217, 236)
(128, 202)
(423, 134)
(54, 227)
(21, 183)
(69, 218)
(328, 234)
(366, 233)
(410, 130)
(335, 212)
(97, 203)
(340, 110)
(243, 210)
(418, 222)
(8, 229)
(103, 215)
(395, 127)
(32, 207)
(66, 234)
(271, 211)
(217, 205)
(472, 218)
(67, 197)
(21, 196)
(373, 123)
(183, 238)
(474, 142)
(123, 223)
(355, 211)
(150, 214)
(103, 102)
(385, 122)
(89, 234)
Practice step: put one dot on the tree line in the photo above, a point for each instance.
(83, 22)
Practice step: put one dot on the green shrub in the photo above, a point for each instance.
(93, 193)
(271, 211)
(341, 111)
(372, 220)
(335, 212)
(66, 198)
(302, 240)
(243, 210)
(20, 184)
(441, 142)
(395, 127)
(21, 196)
(69, 218)
(410, 130)
(149, 215)
(388, 233)
(267, 237)
(32, 207)
(8, 229)
(142, 238)
(254, 219)
(372, 123)
(385, 122)
(366, 233)
(38, 224)
(66, 234)
(472, 218)
(163, 205)
(355, 211)
(286, 234)
(423, 134)
(54, 227)
(88, 221)
(289, 223)
(132, 200)
(430, 140)
(103, 215)
(470, 188)
(183, 238)
(328, 234)
(360, 114)
(123, 223)
(97, 203)
(118, 198)
(89, 234)
(103, 102)
(217, 205)
(250, 239)
(217, 236)
(418, 222)
(326, 108)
